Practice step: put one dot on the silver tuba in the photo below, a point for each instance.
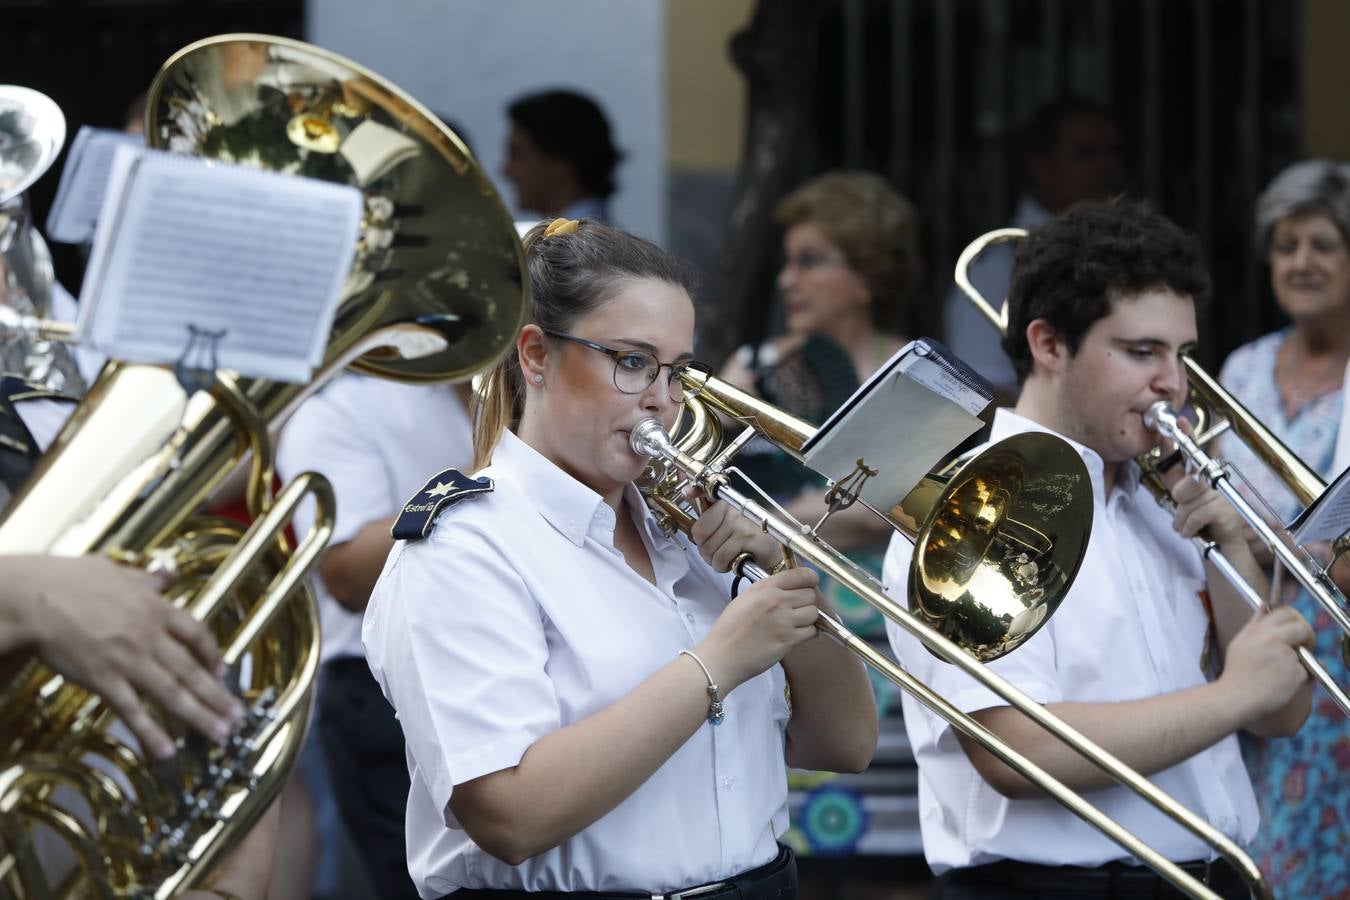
(32, 130)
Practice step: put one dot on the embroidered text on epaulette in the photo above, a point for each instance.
(444, 490)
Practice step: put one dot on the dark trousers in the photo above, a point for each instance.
(776, 880)
(1011, 880)
(363, 746)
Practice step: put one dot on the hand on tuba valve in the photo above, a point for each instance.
(107, 627)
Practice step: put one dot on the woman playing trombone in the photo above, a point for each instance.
(584, 709)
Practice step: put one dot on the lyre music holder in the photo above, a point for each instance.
(196, 367)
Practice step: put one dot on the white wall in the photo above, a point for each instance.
(467, 59)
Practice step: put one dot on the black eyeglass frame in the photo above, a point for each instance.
(619, 352)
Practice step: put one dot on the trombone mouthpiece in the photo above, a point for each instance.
(1161, 417)
(649, 438)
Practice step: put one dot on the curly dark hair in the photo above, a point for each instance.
(1070, 270)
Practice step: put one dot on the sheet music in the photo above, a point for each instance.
(1329, 515)
(914, 410)
(256, 256)
(84, 182)
(933, 366)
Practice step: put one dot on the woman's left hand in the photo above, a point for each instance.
(722, 534)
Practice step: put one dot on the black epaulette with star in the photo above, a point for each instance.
(444, 490)
(18, 451)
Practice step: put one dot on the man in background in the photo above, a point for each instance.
(1072, 152)
(560, 157)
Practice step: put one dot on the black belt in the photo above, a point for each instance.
(1113, 880)
(774, 881)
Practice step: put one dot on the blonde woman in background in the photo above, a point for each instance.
(851, 270)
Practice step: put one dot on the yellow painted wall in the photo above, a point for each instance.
(1326, 78)
(705, 94)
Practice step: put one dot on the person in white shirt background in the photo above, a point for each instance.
(586, 709)
(1149, 656)
(376, 441)
(1072, 151)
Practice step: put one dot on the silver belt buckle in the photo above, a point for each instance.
(691, 892)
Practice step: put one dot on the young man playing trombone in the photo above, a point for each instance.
(1149, 656)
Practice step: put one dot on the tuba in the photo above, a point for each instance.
(1218, 411)
(963, 519)
(436, 293)
(32, 130)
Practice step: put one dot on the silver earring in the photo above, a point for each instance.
(538, 379)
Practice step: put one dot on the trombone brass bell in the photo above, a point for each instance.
(983, 574)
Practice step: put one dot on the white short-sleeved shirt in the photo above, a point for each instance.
(377, 441)
(1133, 625)
(518, 616)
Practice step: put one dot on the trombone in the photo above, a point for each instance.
(966, 507)
(1217, 412)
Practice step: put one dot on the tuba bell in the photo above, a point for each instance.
(436, 293)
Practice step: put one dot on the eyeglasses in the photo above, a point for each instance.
(811, 259)
(635, 370)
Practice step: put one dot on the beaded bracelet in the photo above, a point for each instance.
(716, 713)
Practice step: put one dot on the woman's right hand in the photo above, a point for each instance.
(759, 627)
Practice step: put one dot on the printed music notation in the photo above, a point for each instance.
(84, 183)
(1327, 517)
(187, 248)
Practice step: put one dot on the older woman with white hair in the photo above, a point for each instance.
(1293, 381)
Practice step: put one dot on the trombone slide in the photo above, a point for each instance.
(1210, 551)
(1162, 418)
